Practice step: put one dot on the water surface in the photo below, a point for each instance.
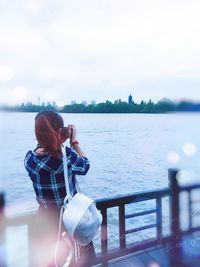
(128, 152)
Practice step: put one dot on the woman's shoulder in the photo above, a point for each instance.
(45, 161)
(36, 152)
(28, 158)
(29, 153)
(40, 152)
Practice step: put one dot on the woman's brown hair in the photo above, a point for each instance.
(47, 125)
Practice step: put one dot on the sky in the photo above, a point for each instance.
(83, 50)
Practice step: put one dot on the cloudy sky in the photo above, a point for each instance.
(99, 49)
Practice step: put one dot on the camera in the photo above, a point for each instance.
(64, 133)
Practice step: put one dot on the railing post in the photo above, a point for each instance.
(159, 218)
(190, 209)
(122, 239)
(175, 208)
(104, 237)
(2, 232)
(175, 216)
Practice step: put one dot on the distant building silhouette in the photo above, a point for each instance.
(93, 102)
(130, 99)
(73, 102)
(84, 103)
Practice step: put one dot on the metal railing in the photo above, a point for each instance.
(106, 254)
(104, 204)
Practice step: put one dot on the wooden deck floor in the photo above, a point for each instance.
(165, 256)
(151, 258)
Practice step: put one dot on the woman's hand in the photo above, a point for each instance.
(72, 132)
(72, 135)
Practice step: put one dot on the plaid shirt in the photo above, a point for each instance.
(47, 175)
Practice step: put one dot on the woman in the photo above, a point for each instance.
(45, 169)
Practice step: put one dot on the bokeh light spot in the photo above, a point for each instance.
(189, 149)
(173, 157)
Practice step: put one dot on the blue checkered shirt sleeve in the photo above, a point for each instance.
(79, 165)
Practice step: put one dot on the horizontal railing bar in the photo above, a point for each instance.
(127, 199)
(189, 187)
(195, 213)
(193, 229)
(194, 201)
(141, 228)
(140, 213)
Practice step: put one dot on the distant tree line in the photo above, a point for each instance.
(163, 106)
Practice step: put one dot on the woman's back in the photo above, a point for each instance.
(47, 175)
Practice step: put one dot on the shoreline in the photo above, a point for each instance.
(138, 113)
